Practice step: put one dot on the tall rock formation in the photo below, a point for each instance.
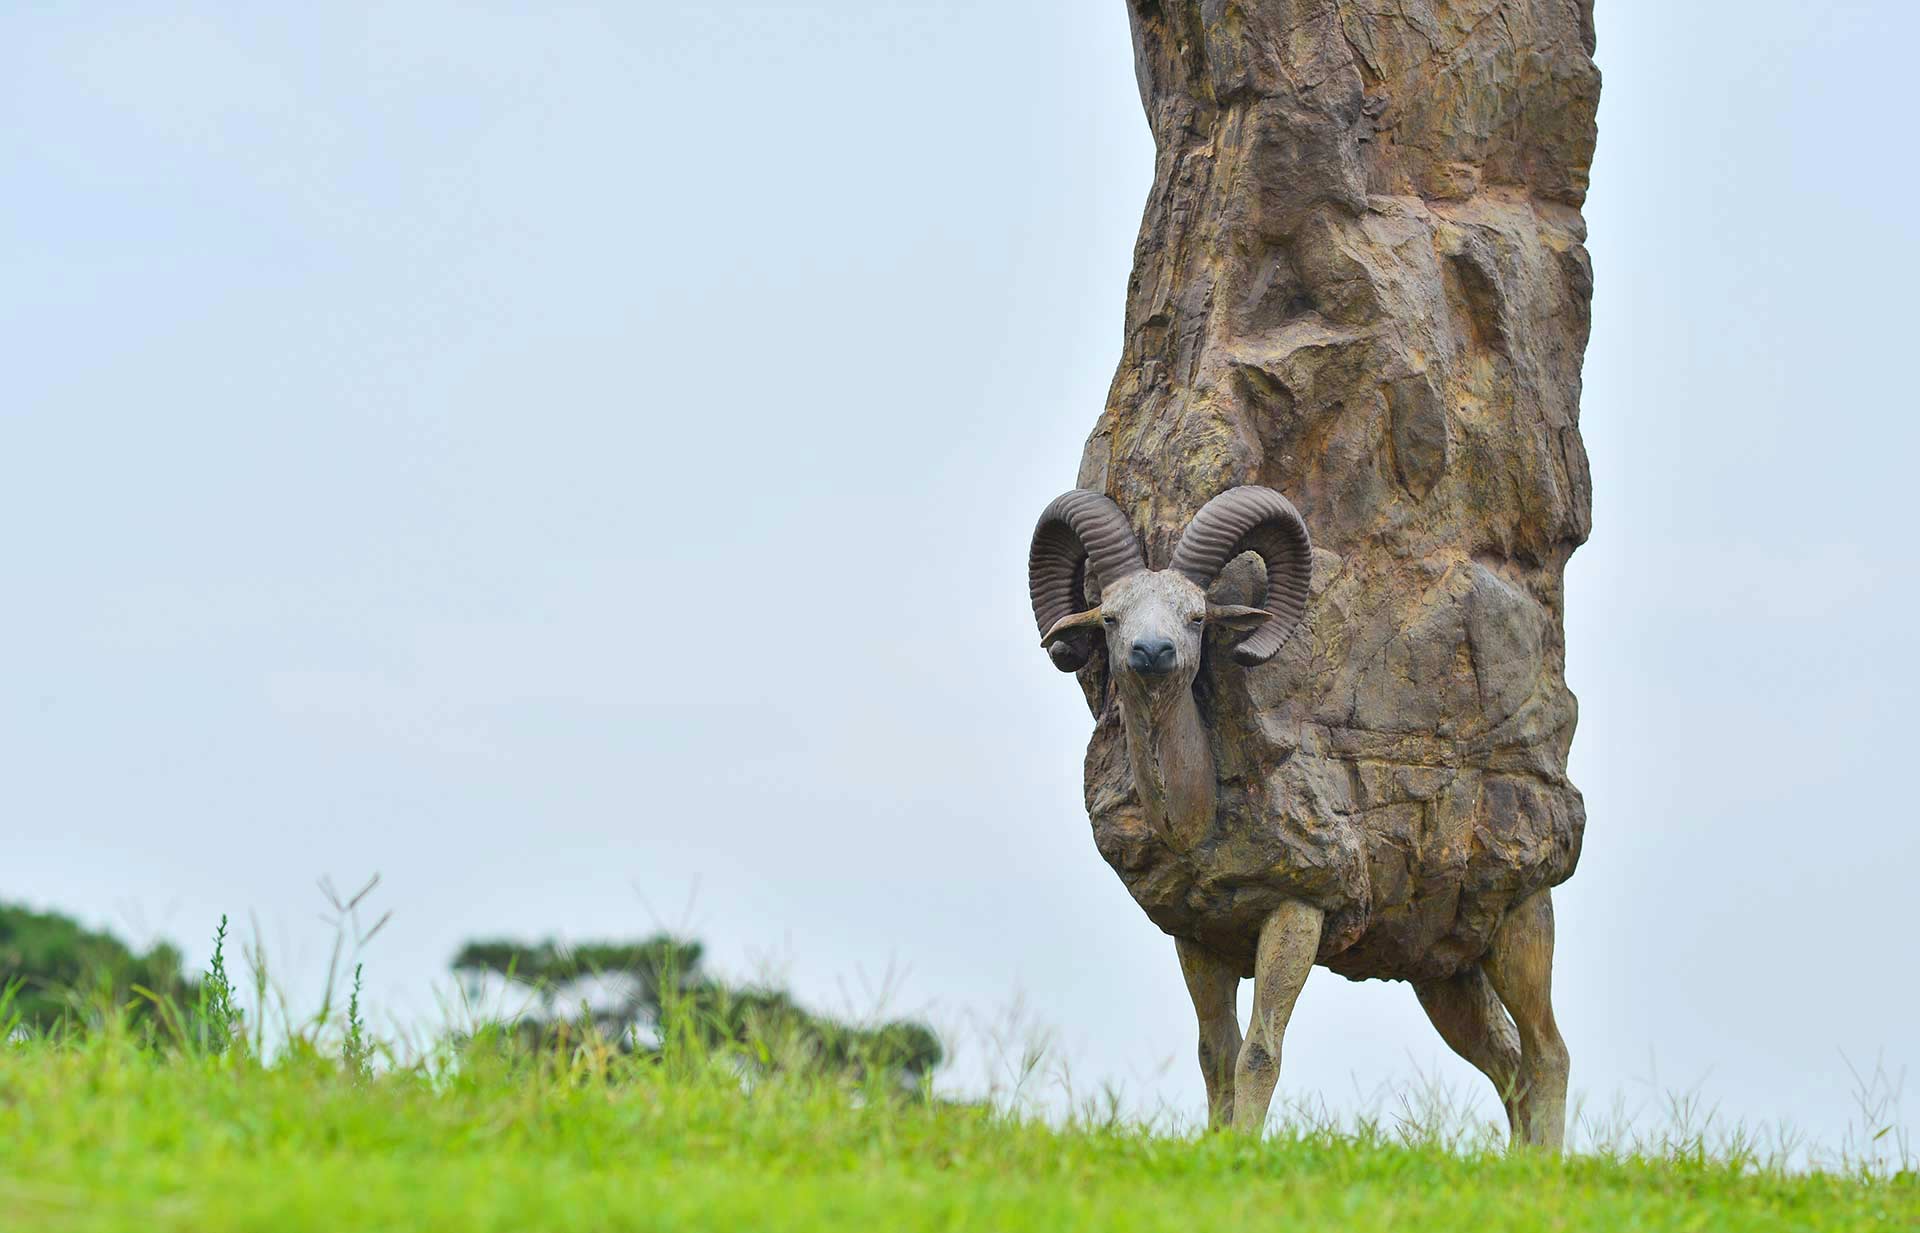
(1361, 280)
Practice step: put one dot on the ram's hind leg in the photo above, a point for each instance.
(1214, 986)
(1519, 965)
(1467, 1014)
(1288, 943)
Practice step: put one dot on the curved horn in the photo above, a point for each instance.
(1255, 519)
(1078, 529)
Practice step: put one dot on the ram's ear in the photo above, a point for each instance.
(1237, 617)
(1090, 619)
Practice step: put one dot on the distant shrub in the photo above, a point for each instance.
(651, 994)
(68, 975)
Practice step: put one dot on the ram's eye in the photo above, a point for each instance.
(1197, 620)
(1109, 622)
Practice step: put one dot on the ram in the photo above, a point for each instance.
(1208, 843)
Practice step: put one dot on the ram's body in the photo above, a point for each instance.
(1412, 889)
(1413, 862)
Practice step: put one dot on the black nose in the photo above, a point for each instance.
(1151, 657)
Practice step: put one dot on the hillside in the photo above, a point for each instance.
(102, 1135)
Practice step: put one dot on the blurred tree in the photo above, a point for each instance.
(634, 991)
(67, 973)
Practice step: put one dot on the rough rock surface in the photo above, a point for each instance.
(1360, 280)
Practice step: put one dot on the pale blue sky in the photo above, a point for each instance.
(442, 439)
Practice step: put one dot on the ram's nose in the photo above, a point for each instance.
(1151, 657)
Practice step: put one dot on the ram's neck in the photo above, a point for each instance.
(1172, 764)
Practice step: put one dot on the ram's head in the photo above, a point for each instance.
(1154, 621)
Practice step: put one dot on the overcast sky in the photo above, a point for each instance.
(578, 461)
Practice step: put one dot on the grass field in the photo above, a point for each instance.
(100, 1133)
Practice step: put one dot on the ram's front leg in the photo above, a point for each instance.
(1214, 986)
(1289, 940)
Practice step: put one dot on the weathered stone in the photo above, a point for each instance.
(1360, 281)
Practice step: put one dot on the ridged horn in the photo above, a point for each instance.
(1078, 529)
(1256, 519)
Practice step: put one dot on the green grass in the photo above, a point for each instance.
(151, 1116)
(99, 1132)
